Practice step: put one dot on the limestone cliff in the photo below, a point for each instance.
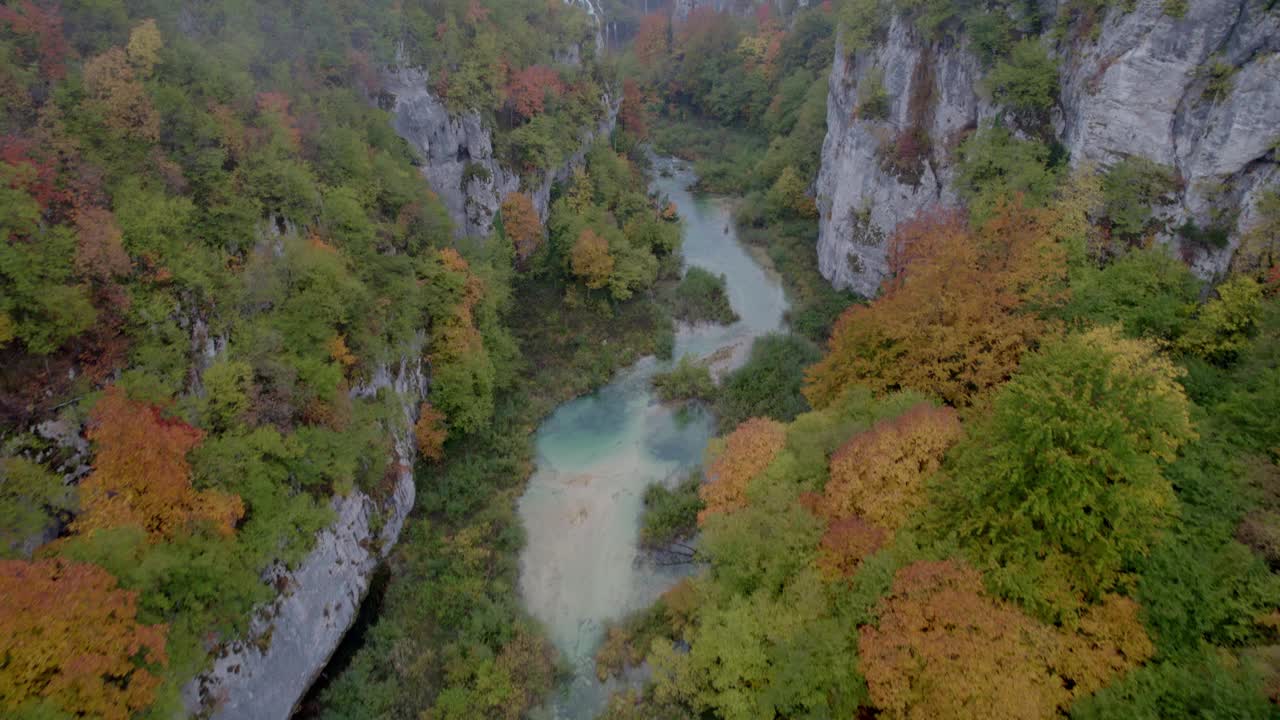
(1135, 88)
(457, 153)
(291, 639)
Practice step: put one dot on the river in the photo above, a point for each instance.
(581, 566)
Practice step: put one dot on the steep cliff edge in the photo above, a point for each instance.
(290, 640)
(1137, 89)
(457, 153)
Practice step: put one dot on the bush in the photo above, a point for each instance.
(1027, 82)
(873, 99)
(769, 384)
(671, 514)
(688, 380)
(994, 165)
(702, 297)
(1130, 188)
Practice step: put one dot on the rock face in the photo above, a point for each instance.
(457, 153)
(264, 675)
(1138, 89)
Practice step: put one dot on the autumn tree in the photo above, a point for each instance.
(653, 40)
(44, 27)
(632, 113)
(521, 223)
(944, 649)
(879, 474)
(846, 543)
(123, 100)
(463, 372)
(141, 476)
(70, 637)
(528, 90)
(430, 432)
(1064, 482)
(100, 251)
(591, 260)
(1226, 323)
(957, 311)
(742, 455)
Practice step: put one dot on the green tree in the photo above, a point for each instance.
(1063, 482)
(1027, 81)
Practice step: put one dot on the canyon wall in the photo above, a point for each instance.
(1136, 87)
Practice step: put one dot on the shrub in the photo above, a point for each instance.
(671, 514)
(769, 384)
(873, 99)
(688, 380)
(1130, 188)
(1027, 81)
(702, 297)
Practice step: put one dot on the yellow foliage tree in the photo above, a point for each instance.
(944, 649)
(879, 474)
(957, 312)
(591, 260)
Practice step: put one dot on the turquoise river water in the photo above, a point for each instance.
(581, 566)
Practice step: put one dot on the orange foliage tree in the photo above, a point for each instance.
(100, 252)
(430, 432)
(741, 456)
(69, 636)
(944, 649)
(521, 223)
(141, 476)
(591, 260)
(879, 474)
(845, 544)
(957, 312)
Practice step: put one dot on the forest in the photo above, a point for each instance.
(1035, 475)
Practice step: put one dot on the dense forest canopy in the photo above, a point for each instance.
(1036, 475)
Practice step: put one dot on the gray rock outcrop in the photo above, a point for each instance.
(263, 676)
(457, 154)
(1137, 88)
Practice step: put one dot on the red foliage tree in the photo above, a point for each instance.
(528, 90)
(845, 544)
(141, 476)
(44, 27)
(68, 635)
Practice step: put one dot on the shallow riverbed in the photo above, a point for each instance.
(596, 455)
